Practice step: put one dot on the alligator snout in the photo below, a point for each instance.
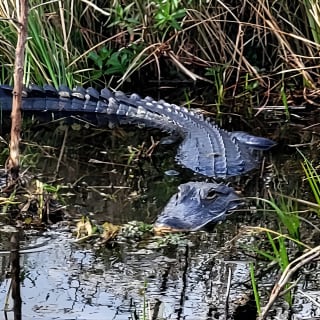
(195, 205)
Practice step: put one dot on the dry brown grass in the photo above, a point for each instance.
(270, 43)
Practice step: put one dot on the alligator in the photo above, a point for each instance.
(206, 149)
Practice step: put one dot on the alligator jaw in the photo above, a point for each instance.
(195, 205)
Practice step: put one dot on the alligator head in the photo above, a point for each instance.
(195, 205)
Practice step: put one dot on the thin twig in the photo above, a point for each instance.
(62, 149)
(228, 290)
(12, 163)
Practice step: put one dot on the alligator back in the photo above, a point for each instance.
(205, 149)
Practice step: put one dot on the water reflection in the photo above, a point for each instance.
(68, 282)
(201, 278)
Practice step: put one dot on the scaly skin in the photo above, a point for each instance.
(202, 203)
(205, 149)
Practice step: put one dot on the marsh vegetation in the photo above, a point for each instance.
(250, 65)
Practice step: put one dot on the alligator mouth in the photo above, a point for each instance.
(164, 229)
(160, 228)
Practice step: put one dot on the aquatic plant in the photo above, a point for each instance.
(282, 245)
(218, 79)
(312, 177)
(255, 288)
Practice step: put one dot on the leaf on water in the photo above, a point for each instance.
(85, 228)
(28, 220)
(109, 231)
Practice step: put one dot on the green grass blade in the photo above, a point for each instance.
(255, 288)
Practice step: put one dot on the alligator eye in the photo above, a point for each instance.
(212, 194)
